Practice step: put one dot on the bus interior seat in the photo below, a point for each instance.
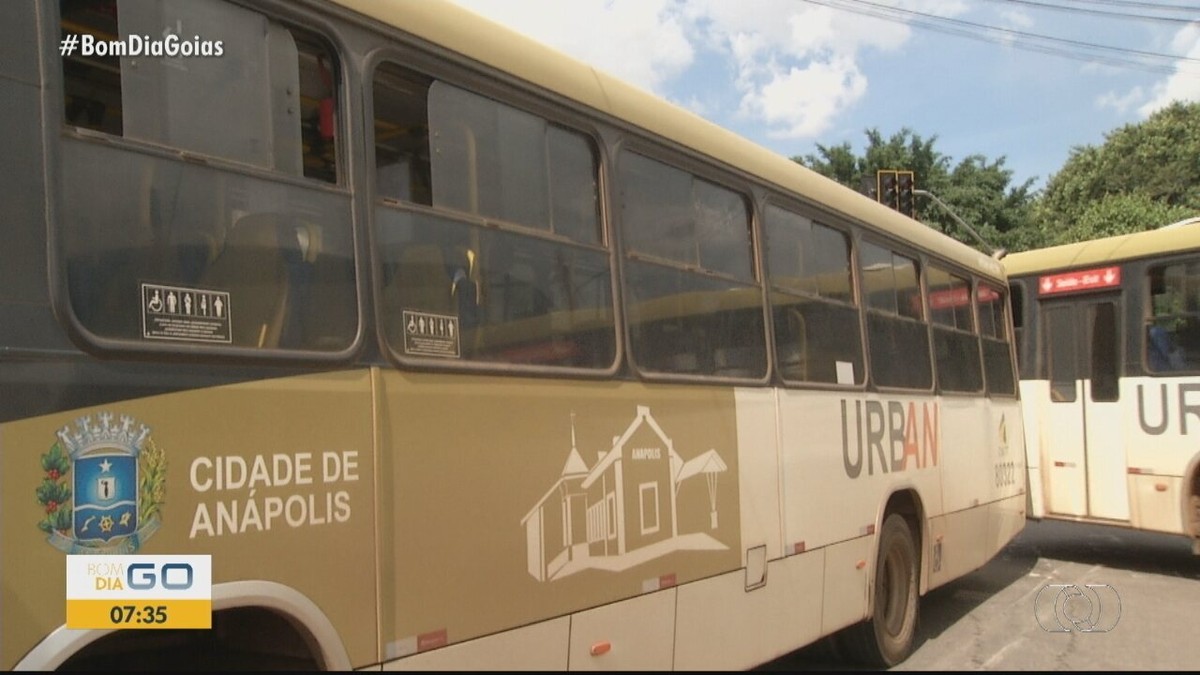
(673, 347)
(793, 357)
(419, 283)
(262, 267)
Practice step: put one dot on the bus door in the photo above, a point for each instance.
(1085, 466)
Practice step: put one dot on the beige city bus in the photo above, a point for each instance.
(454, 352)
(1108, 336)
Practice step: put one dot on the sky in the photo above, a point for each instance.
(978, 76)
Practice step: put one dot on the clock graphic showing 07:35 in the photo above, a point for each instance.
(143, 614)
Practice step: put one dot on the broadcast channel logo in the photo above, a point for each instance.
(139, 591)
(1074, 608)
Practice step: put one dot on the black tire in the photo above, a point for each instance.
(887, 638)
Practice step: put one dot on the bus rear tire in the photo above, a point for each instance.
(887, 638)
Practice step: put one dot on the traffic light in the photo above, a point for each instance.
(905, 200)
(869, 186)
(888, 189)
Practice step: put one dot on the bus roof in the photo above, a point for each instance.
(464, 32)
(1179, 236)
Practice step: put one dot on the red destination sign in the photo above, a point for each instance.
(1083, 280)
(957, 297)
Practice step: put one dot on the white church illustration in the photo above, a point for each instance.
(623, 511)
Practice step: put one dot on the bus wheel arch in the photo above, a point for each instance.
(1190, 517)
(888, 635)
(256, 623)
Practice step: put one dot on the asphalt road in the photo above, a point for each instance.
(1061, 596)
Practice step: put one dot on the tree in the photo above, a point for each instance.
(977, 190)
(1119, 214)
(1143, 176)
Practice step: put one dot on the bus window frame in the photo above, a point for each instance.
(57, 132)
(398, 53)
(920, 259)
(1005, 289)
(1147, 318)
(852, 233)
(972, 285)
(709, 171)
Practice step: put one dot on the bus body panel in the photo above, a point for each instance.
(1137, 453)
(1066, 490)
(1161, 419)
(547, 497)
(539, 647)
(853, 449)
(637, 633)
(758, 464)
(227, 471)
(1108, 497)
(723, 625)
(844, 597)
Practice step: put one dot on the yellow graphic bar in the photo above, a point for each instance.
(139, 613)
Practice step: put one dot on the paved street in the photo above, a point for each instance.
(1076, 573)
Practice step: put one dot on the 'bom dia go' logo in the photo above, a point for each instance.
(103, 487)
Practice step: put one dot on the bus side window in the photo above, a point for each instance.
(257, 266)
(251, 103)
(897, 335)
(955, 344)
(695, 305)
(402, 168)
(1017, 298)
(1173, 327)
(992, 307)
(818, 334)
(508, 250)
(1061, 349)
(134, 221)
(1105, 359)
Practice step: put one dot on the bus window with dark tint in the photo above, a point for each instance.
(818, 335)
(897, 335)
(694, 304)
(402, 135)
(1173, 325)
(1061, 350)
(954, 341)
(499, 162)
(217, 252)
(1016, 294)
(267, 100)
(532, 287)
(1104, 352)
(993, 329)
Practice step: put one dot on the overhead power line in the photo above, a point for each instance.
(1145, 6)
(1125, 16)
(1075, 49)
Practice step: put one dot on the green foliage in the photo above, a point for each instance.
(1144, 175)
(1117, 214)
(53, 493)
(56, 460)
(152, 491)
(977, 190)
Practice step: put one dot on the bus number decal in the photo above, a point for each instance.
(1006, 474)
